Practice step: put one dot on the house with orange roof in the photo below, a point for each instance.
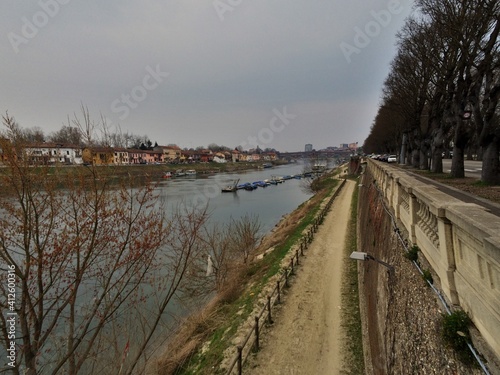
(170, 153)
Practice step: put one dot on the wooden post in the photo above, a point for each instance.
(278, 298)
(240, 350)
(256, 333)
(270, 318)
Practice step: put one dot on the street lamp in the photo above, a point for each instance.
(358, 255)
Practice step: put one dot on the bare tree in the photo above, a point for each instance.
(468, 29)
(486, 105)
(446, 69)
(34, 135)
(244, 235)
(96, 266)
(67, 134)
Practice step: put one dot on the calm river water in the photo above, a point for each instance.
(268, 204)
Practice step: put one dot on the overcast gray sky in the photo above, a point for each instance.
(233, 72)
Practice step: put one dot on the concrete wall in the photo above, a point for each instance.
(461, 241)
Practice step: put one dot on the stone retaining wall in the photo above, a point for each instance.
(461, 242)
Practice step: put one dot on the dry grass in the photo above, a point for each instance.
(198, 327)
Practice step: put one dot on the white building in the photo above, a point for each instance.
(53, 153)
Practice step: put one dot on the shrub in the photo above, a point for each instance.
(427, 275)
(412, 254)
(456, 334)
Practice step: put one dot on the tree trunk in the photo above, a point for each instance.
(437, 151)
(457, 162)
(491, 165)
(424, 155)
(461, 139)
(415, 158)
(404, 145)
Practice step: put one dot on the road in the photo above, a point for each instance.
(306, 337)
(472, 168)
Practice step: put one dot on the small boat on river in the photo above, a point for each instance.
(270, 182)
(247, 186)
(231, 188)
(167, 174)
(278, 179)
(260, 183)
(190, 172)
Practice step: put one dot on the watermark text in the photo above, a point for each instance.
(11, 316)
(364, 36)
(30, 26)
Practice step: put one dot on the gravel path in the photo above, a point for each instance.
(306, 337)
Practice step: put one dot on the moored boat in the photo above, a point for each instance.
(270, 182)
(231, 188)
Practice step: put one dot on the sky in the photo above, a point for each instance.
(274, 74)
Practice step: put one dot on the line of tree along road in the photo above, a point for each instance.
(443, 89)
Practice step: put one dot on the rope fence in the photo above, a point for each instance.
(251, 342)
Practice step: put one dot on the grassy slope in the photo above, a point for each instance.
(231, 315)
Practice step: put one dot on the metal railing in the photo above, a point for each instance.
(251, 342)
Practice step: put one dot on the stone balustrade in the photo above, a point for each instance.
(461, 242)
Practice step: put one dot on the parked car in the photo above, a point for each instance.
(450, 154)
(392, 159)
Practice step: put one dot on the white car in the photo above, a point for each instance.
(392, 159)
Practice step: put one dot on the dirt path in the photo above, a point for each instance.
(306, 337)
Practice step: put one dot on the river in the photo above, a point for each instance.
(268, 204)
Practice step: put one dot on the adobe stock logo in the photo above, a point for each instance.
(371, 30)
(266, 134)
(224, 6)
(139, 93)
(31, 27)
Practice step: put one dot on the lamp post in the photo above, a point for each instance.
(358, 255)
